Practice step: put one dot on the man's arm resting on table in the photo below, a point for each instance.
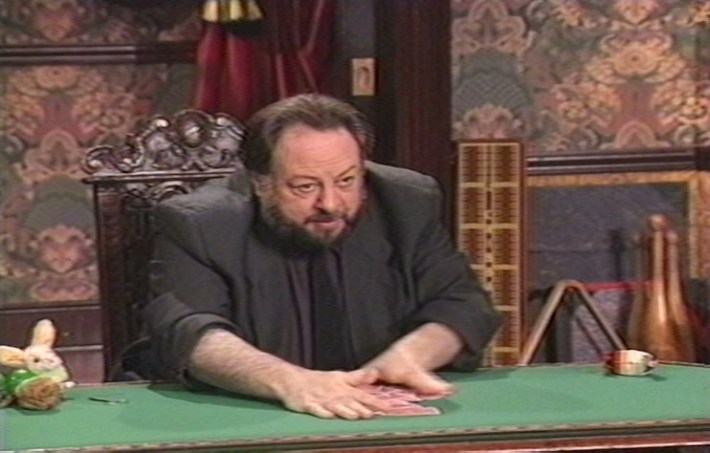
(224, 360)
(410, 359)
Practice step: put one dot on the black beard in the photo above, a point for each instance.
(294, 236)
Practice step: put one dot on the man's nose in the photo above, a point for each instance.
(328, 199)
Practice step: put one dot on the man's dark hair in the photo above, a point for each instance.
(317, 111)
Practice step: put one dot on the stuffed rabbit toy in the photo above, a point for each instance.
(38, 357)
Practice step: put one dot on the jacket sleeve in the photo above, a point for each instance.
(189, 295)
(448, 291)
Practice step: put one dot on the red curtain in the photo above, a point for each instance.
(238, 73)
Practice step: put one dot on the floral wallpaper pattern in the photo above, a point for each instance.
(581, 76)
(573, 76)
(592, 76)
(24, 22)
(49, 116)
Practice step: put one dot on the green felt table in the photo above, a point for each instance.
(557, 406)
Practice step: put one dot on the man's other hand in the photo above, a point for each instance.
(332, 394)
(397, 367)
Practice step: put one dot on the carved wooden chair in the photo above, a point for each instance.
(166, 155)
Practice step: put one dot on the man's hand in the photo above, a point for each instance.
(224, 360)
(331, 394)
(398, 367)
(409, 360)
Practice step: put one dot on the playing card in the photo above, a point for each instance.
(410, 410)
(403, 401)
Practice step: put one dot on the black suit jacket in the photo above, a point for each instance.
(211, 270)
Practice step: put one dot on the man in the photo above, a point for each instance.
(334, 274)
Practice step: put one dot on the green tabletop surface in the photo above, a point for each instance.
(493, 401)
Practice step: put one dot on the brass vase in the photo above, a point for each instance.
(659, 321)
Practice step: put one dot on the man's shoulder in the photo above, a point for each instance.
(398, 179)
(211, 200)
(395, 183)
(409, 200)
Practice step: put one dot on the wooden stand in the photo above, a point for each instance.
(548, 310)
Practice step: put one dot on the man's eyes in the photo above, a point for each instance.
(312, 187)
(346, 181)
(305, 188)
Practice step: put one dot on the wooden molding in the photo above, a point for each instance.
(159, 52)
(656, 160)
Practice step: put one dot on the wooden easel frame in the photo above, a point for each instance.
(552, 303)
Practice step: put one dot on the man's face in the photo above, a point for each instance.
(316, 189)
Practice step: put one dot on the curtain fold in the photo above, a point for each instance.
(242, 67)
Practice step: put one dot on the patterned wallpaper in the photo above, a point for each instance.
(61, 22)
(50, 114)
(593, 76)
(573, 76)
(566, 76)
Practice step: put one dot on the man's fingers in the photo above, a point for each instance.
(350, 410)
(364, 376)
(371, 375)
(318, 410)
(360, 404)
(429, 384)
(363, 410)
(375, 403)
(347, 409)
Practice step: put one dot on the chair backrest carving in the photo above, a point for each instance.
(165, 156)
